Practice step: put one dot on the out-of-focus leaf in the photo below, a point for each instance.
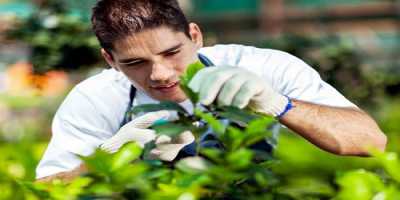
(216, 125)
(128, 174)
(78, 185)
(239, 116)
(187, 77)
(240, 159)
(392, 192)
(391, 163)
(359, 185)
(259, 125)
(147, 149)
(212, 154)
(38, 189)
(257, 130)
(99, 162)
(170, 129)
(165, 105)
(128, 153)
(301, 187)
(233, 138)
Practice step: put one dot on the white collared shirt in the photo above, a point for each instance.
(93, 110)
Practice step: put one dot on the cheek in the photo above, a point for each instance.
(180, 67)
(138, 76)
(186, 60)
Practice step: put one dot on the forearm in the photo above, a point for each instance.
(343, 131)
(65, 176)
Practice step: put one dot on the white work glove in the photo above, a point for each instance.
(234, 86)
(167, 148)
(137, 131)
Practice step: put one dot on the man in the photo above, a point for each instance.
(149, 44)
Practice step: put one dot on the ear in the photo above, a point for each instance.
(196, 35)
(109, 59)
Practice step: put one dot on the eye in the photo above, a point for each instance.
(173, 52)
(135, 64)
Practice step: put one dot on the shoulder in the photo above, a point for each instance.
(106, 80)
(273, 65)
(99, 100)
(236, 54)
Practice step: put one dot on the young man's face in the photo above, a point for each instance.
(153, 60)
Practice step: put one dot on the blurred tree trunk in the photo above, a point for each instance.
(273, 17)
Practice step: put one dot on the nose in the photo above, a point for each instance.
(161, 72)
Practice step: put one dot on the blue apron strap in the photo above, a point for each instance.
(127, 115)
(203, 59)
(132, 93)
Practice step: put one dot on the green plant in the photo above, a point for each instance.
(58, 39)
(296, 171)
(361, 184)
(343, 65)
(123, 175)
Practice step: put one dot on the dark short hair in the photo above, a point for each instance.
(115, 19)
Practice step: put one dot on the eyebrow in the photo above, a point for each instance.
(133, 60)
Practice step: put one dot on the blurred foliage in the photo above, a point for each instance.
(24, 133)
(58, 39)
(297, 169)
(343, 66)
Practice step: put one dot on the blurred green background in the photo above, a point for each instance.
(46, 47)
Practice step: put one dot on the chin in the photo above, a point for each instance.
(178, 98)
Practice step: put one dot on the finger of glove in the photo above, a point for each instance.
(166, 152)
(140, 136)
(163, 139)
(148, 119)
(213, 84)
(185, 138)
(248, 90)
(199, 78)
(111, 147)
(177, 145)
(169, 151)
(230, 89)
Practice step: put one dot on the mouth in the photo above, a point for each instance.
(166, 87)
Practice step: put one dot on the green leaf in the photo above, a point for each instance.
(39, 189)
(78, 185)
(185, 79)
(147, 149)
(170, 129)
(99, 162)
(216, 125)
(237, 115)
(240, 159)
(257, 130)
(214, 155)
(391, 164)
(233, 138)
(128, 153)
(192, 70)
(359, 185)
(300, 187)
(260, 125)
(165, 105)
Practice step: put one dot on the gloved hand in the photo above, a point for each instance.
(167, 148)
(234, 86)
(137, 131)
